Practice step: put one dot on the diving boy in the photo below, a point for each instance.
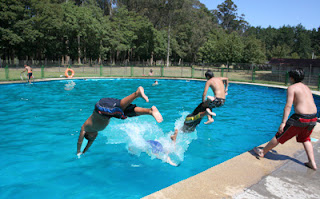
(219, 86)
(107, 108)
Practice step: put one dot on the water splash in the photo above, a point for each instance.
(135, 135)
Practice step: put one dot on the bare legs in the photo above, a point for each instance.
(262, 152)
(309, 150)
(125, 102)
(274, 142)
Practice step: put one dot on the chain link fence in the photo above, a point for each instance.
(264, 73)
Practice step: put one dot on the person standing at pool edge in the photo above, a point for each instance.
(29, 69)
(107, 108)
(301, 123)
(219, 86)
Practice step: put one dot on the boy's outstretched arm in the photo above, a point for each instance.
(80, 140)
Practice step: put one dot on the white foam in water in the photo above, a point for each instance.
(136, 133)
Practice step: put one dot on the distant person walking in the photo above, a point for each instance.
(29, 70)
(301, 123)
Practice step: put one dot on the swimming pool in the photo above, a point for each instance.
(41, 123)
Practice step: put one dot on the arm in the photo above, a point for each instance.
(287, 108)
(225, 81)
(80, 140)
(24, 70)
(204, 94)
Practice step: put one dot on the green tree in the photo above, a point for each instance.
(254, 51)
(228, 17)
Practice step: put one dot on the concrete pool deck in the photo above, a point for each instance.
(281, 174)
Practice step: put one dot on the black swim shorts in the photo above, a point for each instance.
(110, 107)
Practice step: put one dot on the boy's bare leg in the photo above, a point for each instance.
(309, 150)
(209, 113)
(262, 152)
(149, 111)
(125, 102)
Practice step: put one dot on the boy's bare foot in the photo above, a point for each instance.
(156, 114)
(174, 136)
(258, 151)
(209, 121)
(309, 165)
(140, 92)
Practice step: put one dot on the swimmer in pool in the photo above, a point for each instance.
(157, 149)
(155, 83)
(29, 70)
(107, 108)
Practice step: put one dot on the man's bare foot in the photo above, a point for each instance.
(174, 136)
(258, 151)
(209, 121)
(309, 165)
(140, 92)
(209, 112)
(156, 114)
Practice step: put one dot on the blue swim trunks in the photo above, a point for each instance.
(110, 107)
(156, 146)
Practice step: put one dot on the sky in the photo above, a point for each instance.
(275, 13)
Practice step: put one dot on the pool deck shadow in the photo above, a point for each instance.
(275, 156)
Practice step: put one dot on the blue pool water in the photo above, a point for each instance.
(40, 126)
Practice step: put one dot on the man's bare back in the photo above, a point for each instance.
(303, 101)
(217, 86)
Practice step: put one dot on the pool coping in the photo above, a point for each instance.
(229, 178)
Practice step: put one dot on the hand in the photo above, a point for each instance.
(281, 127)
(79, 154)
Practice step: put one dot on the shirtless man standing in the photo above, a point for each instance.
(219, 86)
(29, 69)
(107, 108)
(301, 123)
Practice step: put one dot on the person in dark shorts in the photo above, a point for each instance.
(107, 108)
(29, 69)
(203, 109)
(301, 123)
(219, 86)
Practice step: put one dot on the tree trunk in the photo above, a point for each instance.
(168, 49)
(79, 50)
(151, 59)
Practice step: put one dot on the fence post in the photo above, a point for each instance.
(101, 70)
(132, 71)
(42, 71)
(287, 78)
(162, 68)
(192, 72)
(7, 72)
(222, 69)
(253, 74)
